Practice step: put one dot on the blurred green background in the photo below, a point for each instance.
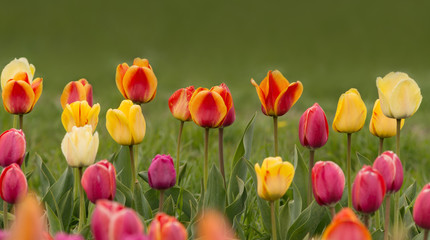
(330, 46)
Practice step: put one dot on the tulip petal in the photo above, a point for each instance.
(141, 62)
(93, 116)
(67, 118)
(140, 84)
(406, 99)
(37, 87)
(73, 91)
(207, 109)
(14, 67)
(287, 98)
(261, 96)
(89, 93)
(137, 124)
(120, 72)
(350, 113)
(18, 97)
(117, 126)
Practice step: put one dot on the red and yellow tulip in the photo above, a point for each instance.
(79, 114)
(77, 91)
(138, 82)
(179, 102)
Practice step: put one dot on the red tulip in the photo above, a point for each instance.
(328, 182)
(161, 172)
(345, 225)
(112, 221)
(390, 167)
(12, 145)
(99, 181)
(368, 190)
(422, 208)
(13, 184)
(79, 90)
(179, 101)
(165, 227)
(225, 93)
(313, 127)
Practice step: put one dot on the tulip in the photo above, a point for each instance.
(79, 114)
(29, 220)
(4, 235)
(99, 181)
(161, 175)
(345, 225)
(136, 237)
(13, 184)
(112, 221)
(368, 190)
(421, 211)
(63, 236)
(165, 227)
(214, 226)
(79, 90)
(80, 146)
(178, 103)
(328, 183)
(380, 125)
(12, 145)
(138, 82)
(14, 67)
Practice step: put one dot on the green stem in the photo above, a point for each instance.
(178, 150)
(5, 213)
(387, 216)
(160, 203)
(76, 183)
(21, 122)
(133, 168)
(81, 203)
(381, 146)
(205, 180)
(275, 134)
(332, 211)
(426, 234)
(15, 121)
(311, 165)
(366, 220)
(348, 163)
(396, 195)
(272, 213)
(398, 137)
(221, 151)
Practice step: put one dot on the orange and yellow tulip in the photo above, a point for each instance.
(179, 102)
(77, 91)
(138, 82)
(79, 114)
(345, 225)
(382, 126)
(276, 94)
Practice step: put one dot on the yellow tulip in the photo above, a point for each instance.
(79, 114)
(274, 178)
(350, 113)
(80, 146)
(399, 94)
(380, 125)
(126, 125)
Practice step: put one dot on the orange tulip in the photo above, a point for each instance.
(138, 82)
(276, 94)
(225, 93)
(79, 90)
(29, 221)
(345, 225)
(214, 226)
(179, 101)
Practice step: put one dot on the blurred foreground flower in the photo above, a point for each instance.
(138, 82)
(165, 227)
(79, 114)
(99, 181)
(63, 236)
(214, 226)
(421, 211)
(80, 146)
(13, 146)
(346, 225)
(79, 90)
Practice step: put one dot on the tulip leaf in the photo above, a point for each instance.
(301, 176)
(363, 160)
(46, 178)
(66, 207)
(169, 206)
(238, 228)
(127, 193)
(284, 218)
(182, 171)
(59, 189)
(122, 165)
(54, 222)
(120, 197)
(215, 194)
(144, 175)
(378, 235)
(238, 205)
(307, 222)
(408, 195)
(295, 206)
(141, 204)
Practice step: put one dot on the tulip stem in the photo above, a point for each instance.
(398, 137)
(178, 150)
(366, 220)
(396, 195)
(311, 165)
(272, 213)
(5, 212)
(378, 212)
(387, 216)
(275, 134)
(221, 151)
(205, 180)
(133, 168)
(81, 203)
(348, 163)
(381, 146)
(15, 121)
(160, 203)
(332, 211)
(426, 234)
(21, 121)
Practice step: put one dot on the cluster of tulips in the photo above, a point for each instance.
(399, 98)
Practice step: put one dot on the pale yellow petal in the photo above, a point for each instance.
(405, 99)
(14, 67)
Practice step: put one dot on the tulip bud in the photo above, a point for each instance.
(225, 93)
(12, 145)
(80, 146)
(79, 90)
(345, 225)
(274, 178)
(350, 113)
(328, 182)
(179, 101)
(126, 125)
(112, 221)
(390, 167)
(161, 172)
(313, 128)
(368, 190)
(422, 208)
(79, 114)
(63, 236)
(99, 181)
(276, 94)
(399, 94)
(13, 184)
(138, 82)
(165, 227)
(382, 126)
(208, 108)
(214, 226)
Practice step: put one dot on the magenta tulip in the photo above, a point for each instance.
(368, 190)
(13, 184)
(390, 167)
(12, 145)
(99, 181)
(112, 221)
(63, 236)
(4, 235)
(422, 208)
(328, 182)
(313, 127)
(161, 172)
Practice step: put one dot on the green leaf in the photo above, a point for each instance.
(169, 206)
(238, 205)
(66, 208)
(307, 222)
(54, 223)
(284, 218)
(59, 189)
(301, 176)
(122, 165)
(142, 205)
(215, 194)
(126, 192)
(144, 175)
(408, 195)
(182, 171)
(378, 235)
(295, 206)
(363, 160)
(46, 178)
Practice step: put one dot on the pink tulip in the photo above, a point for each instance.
(63, 236)
(368, 190)
(422, 208)
(165, 227)
(328, 182)
(99, 181)
(136, 237)
(12, 145)
(390, 167)
(4, 235)
(13, 184)
(112, 221)
(161, 172)
(313, 128)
